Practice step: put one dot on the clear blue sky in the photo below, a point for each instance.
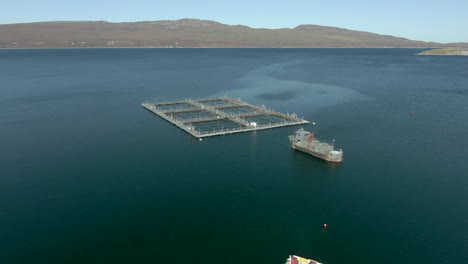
(429, 20)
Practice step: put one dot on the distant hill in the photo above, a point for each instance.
(190, 33)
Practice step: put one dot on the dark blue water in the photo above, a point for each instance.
(88, 176)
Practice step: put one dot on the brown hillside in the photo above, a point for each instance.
(187, 33)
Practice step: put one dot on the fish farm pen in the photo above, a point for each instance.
(220, 116)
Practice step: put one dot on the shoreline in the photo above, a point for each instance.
(222, 48)
(456, 51)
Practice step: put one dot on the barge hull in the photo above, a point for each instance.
(315, 154)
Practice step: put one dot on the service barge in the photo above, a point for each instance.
(305, 141)
(300, 260)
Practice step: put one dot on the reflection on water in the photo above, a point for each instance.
(261, 86)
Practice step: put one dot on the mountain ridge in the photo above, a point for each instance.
(189, 32)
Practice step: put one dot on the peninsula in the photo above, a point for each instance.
(446, 52)
(192, 33)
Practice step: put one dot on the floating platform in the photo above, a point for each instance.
(220, 116)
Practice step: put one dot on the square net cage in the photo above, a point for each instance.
(266, 119)
(216, 125)
(196, 114)
(216, 103)
(238, 110)
(172, 107)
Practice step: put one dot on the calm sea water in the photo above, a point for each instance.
(88, 176)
